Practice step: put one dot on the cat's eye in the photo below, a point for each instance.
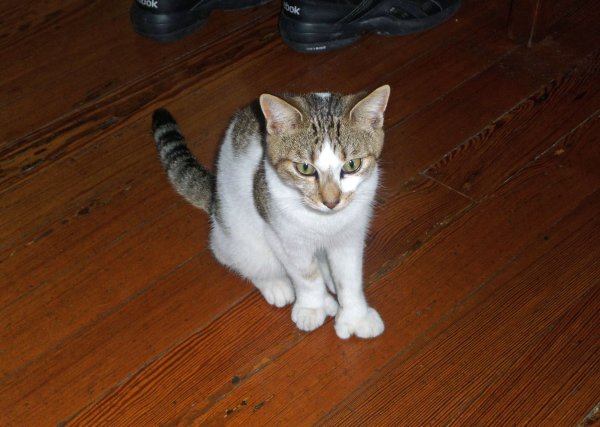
(305, 169)
(352, 166)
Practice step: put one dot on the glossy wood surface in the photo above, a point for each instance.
(483, 257)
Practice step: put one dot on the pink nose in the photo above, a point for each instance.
(332, 204)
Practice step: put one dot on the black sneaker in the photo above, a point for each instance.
(322, 25)
(170, 20)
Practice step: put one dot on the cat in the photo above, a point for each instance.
(292, 199)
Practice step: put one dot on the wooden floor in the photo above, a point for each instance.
(483, 258)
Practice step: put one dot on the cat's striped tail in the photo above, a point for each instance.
(189, 178)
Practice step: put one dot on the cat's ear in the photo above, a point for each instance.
(281, 117)
(369, 111)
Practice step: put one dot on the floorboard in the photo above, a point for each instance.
(66, 303)
(101, 132)
(410, 296)
(420, 207)
(480, 165)
(482, 257)
(531, 321)
(109, 60)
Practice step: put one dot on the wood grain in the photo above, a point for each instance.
(431, 285)
(200, 297)
(28, 288)
(554, 284)
(204, 128)
(96, 286)
(133, 175)
(43, 86)
(114, 312)
(529, 21)
(477, 167)
(544, 280)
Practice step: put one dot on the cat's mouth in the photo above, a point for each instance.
(329, 207)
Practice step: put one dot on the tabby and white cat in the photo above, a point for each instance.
(292, 200)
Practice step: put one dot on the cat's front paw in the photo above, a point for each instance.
(363, 325)
(308, 318)
(277, 292)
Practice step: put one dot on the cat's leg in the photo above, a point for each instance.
(269, 276)
(326, 271)
(313, 302)
(354, 317)
(262, 268)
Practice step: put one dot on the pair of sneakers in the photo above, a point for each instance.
(305, 25)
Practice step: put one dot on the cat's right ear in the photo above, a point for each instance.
(281, 117)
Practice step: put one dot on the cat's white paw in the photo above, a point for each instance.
(309, 319)
(331, 306)
(277, 292)
(366, 325)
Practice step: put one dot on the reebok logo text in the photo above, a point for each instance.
(149, 3)
(290, 9)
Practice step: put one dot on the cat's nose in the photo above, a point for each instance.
(331, 204)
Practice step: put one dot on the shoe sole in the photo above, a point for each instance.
(314, 38)
(169, 27)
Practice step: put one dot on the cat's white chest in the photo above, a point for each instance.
(293, 221)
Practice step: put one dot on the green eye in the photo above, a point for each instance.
(352, 166)
(305, 168)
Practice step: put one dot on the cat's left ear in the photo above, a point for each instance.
(281, 117)
(369, 111)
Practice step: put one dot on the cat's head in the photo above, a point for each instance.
(325, 144)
